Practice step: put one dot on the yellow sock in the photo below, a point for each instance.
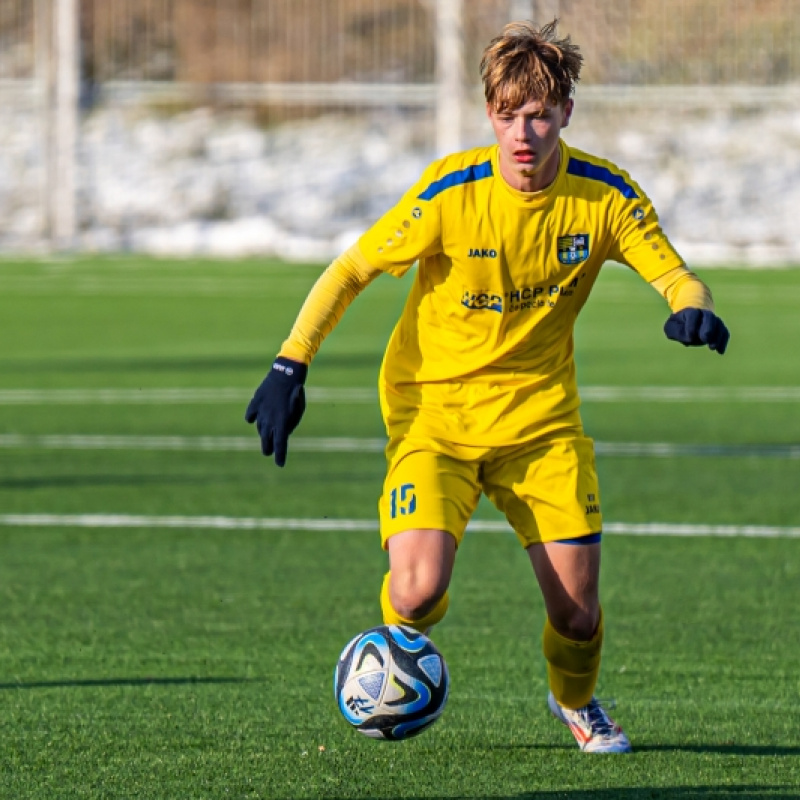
(572, 667)
(391, 617)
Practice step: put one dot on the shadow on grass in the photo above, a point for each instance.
(640, 793)
(711, 747)
(66, 481)
(227, 363)
(313, 468)
(723, 749)
(78, 683)
(256, 362)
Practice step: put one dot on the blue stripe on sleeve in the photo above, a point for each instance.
(594, 172)
(474, 173)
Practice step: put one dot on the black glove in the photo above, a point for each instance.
(696, 327)
(278, 405)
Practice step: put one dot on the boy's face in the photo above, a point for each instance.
(528, 137)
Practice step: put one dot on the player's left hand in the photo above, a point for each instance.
(695, 327)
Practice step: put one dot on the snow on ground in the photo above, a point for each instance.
(725, 182)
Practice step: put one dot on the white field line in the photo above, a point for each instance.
(691, 394)
(674, 449)
(188, 443)
(159, 396)
(344, 444)
(333, 525)
(360, 394)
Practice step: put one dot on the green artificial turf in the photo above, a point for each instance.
(177, 663)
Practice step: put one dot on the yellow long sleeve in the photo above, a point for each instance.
(681, 288)
(328, 299)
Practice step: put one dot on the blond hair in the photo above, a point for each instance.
(528, 63)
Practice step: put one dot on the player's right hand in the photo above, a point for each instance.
(278, 405)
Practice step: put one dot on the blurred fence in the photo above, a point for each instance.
(286, 126)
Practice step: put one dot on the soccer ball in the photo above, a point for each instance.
(391, 682)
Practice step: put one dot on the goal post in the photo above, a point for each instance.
(63, 123)
(450, 77)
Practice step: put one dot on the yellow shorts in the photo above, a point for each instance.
(547, 488)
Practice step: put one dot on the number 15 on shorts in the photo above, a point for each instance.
(402, 500)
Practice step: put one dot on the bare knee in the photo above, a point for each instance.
(576, 622)
(414, 595)
(420, 564)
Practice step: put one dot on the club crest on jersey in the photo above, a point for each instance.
(573, 249)
(482, 300)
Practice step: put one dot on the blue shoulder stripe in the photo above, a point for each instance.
(594, 172)
(474, 173)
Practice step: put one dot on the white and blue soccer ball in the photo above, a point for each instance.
(391, 682)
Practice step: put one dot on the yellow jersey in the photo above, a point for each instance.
(483, 351)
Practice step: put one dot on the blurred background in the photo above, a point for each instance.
(285, 127)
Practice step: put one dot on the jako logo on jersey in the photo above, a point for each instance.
(481, 252)
(573, 249)
(482, 301)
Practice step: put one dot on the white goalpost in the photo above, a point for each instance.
(65, 123)
(450, 78)
(56, 86)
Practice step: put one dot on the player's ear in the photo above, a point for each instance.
(566, 112)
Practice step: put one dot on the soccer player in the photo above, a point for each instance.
(477, 387)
